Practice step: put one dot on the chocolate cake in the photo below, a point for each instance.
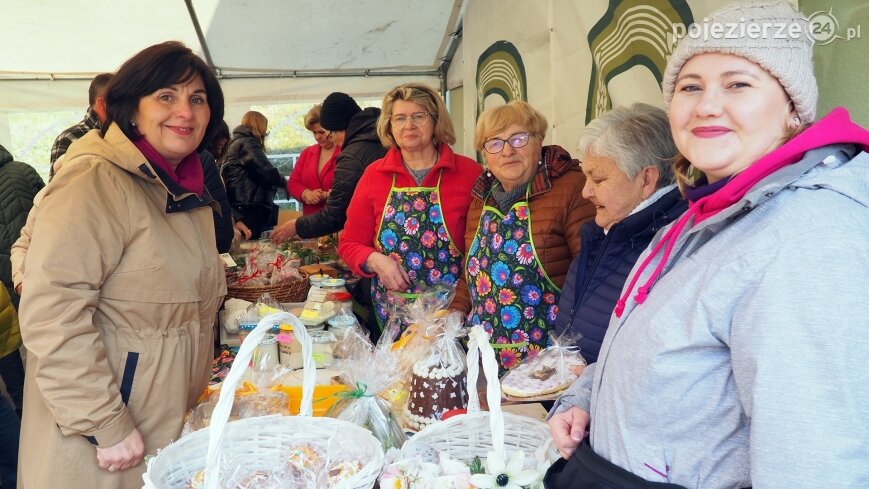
(434, 390)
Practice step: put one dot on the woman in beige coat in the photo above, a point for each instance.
(123, 281)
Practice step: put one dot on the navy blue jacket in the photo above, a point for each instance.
(597, 275)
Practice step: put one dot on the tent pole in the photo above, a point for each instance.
(195, 20)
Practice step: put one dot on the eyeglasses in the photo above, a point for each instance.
(329, 135)
(417, 118)
(516, 141)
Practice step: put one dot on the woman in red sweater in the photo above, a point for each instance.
(406, 219)
(311, 179)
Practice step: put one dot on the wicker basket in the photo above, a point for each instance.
(286, 291)
(262, 443)
(477, 433)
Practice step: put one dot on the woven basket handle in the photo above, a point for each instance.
(479, 345)
(220, 415)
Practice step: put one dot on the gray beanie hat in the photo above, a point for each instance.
(771, 34)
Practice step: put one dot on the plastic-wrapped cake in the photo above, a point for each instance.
(434, 390)
(545, 374)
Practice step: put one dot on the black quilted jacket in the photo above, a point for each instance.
(19, 183)
(250, 178)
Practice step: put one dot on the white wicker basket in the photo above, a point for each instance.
(476, 433)
(265, 440)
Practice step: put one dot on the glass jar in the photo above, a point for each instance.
(322, 346)
(315, 293)
(265, 356)
(290, 349)
(335, 289)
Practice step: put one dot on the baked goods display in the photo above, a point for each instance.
(434, 390)
(307, 467)
(544, 375)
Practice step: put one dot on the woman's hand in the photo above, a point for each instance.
(391, 274)
(284, 232)
(311, 197)
(125, 455)
(568, 429)
(243, 229)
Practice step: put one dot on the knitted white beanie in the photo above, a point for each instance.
(771, 34)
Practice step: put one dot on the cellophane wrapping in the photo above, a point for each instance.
(368, 370)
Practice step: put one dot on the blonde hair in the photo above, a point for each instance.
(256, 122)
(686, 174)
(312, 118)
(425, 96)
(495, 120)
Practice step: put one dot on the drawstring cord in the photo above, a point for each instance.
(670, 241)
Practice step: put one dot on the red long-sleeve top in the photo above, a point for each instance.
(366, 207)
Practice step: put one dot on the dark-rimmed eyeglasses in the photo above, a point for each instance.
(417, 118)
(516, 141)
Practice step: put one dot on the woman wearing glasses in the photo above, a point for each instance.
(522, 231)
(404, 229)
(251, 180)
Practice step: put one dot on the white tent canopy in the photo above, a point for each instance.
(265, 51)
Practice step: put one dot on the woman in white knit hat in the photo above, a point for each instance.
(736, 355)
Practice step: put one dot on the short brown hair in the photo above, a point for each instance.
(492, 121)
(98, 87)
(424, 96)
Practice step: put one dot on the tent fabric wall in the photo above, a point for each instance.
(580, 58)
(272, 50)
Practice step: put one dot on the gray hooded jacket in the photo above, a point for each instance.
(746, 365)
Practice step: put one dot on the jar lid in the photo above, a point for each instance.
(333, 282)
(318, 277)
(285, 327)
(342, 320)
(284, 338)
(323, 337)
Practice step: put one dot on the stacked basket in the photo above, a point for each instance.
(286, 291)
(262, 442)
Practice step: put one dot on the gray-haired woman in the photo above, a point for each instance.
(627, 156)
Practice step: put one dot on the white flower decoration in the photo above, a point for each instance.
(509, 475)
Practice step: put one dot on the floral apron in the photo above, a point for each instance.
(413, 232)
(511, 295)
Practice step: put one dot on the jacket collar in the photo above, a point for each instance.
(116, 149)
(555, 161)
(658, 214)
(91, 120)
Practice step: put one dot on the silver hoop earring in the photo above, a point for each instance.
(133, 123)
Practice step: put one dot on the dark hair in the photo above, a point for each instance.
(98, 87)
(222, 132)
(156, 67)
